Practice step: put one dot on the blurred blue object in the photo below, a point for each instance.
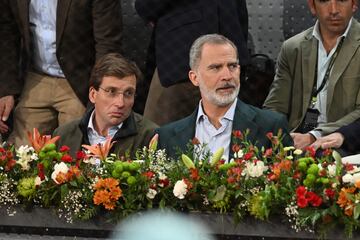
(161, 225)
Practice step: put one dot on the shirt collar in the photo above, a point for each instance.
(317, 35)
(229, 115)
(112, 129)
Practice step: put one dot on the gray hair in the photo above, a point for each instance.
(197, 46)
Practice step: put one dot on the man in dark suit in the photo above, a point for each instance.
(215, 70)
(48, 49)
(176, 25)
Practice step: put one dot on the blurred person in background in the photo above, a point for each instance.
(47, 51)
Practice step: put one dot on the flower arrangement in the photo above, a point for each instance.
(313, 192)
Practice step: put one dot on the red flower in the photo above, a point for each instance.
(149, 174)
(188, 183)
(311, 151)
(66, 158)
(302, 202)
(300, 191)
(248, 155)
(270, 135)
(10, 164)
(41, 173)
(268, 152)
(164, 182)
(327, 152)
(316, 201)
(194, 174)
(272, 177)
(64, 148)
(238, 134)
(80, 155)
(231, 180)
(236, 148)
(329, 193)
(349, 167)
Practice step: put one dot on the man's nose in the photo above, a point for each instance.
(334, 7)
(119, 100)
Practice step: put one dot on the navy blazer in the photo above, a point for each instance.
(258, 121)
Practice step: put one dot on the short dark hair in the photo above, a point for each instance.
(113, 65)
(197, 46)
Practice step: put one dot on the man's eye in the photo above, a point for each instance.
(129, 93)
(112, 91)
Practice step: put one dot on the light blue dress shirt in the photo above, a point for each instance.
(215, 138)
(42, 18)
(94, 136)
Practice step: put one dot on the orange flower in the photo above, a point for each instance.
(100, 150)
(38, 142)
(107, 193)
(357, 183)
(284, 165)
(344, 202)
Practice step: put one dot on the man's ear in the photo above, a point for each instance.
(193, 78)
(311, 4)
(92, 94)
(355, 5)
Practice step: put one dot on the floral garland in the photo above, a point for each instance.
(313, 192)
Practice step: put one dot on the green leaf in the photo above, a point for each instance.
(73, 183)
(357, 211)
(64, 190)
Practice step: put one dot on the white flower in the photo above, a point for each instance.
(331, 170)
(253, 169)
(289, 157)
(151, 193)
(286, 149)
(239, 154)
(347, 178)
(298, 152)
(25, 155)
(59, 167)
(38, 180)
(356, 177)
(180, 189)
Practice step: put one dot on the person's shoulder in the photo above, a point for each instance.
(144, 123)
(298, 38)
(266, 115)
(176, 125)
(67, 127)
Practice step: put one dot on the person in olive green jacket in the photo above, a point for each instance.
(112, 92)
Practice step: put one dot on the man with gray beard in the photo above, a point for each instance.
(215, 70)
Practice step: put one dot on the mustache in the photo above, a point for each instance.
(227, 85)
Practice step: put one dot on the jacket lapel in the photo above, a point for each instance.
(61, 15)
(243, 120)
(309, 61)
(186, 131)
(347, 51)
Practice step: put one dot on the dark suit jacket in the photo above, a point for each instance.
(85, 30)
(351, 135)
(260, 122)
(179, 23)
(134, 134)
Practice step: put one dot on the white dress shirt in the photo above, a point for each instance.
(42, 18)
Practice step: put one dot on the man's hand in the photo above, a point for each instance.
(301, 141)
(334, 140)
(6, 105)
